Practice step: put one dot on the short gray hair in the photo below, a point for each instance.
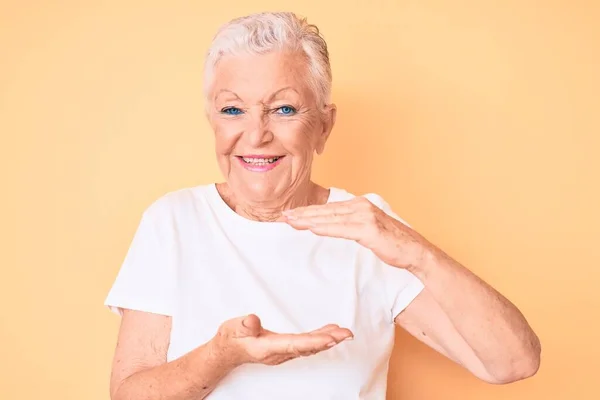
(265, 32)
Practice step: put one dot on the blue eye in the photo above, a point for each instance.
(231, 111)
(286, 110)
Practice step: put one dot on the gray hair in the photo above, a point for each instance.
(265, 32)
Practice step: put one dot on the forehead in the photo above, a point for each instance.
(256, 76)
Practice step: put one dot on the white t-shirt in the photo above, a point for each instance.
(193, 258)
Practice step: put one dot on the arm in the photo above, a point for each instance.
(492, 339)
(141, 371)
(457, 313)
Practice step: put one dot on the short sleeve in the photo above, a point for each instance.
(401, 286)
(145, 281)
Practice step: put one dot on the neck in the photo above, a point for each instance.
(270, 211)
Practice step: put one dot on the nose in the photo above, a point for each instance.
(258, 132)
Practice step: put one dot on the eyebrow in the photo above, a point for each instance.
(271, 97)
(226, 91)
(282, 90)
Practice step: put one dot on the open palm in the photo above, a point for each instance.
(259, 345)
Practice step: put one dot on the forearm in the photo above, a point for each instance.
(190, 377)
(492, 326)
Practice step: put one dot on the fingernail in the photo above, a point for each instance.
(349, 338)
(286, 212)
(331, 344)
(291, 217)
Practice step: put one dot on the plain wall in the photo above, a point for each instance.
(478, 121)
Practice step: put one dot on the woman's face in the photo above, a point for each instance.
(267, 124)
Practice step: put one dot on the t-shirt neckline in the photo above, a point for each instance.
(225, 211)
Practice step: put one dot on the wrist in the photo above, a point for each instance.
(223, 352)
(423, 262)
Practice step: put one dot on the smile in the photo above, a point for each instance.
(259, 163)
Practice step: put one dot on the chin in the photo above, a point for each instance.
(259, 192)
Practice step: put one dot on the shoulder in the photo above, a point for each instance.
(176, 202)
(338, 194)
(377, 200)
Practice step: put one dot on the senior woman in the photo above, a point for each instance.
(270, 286)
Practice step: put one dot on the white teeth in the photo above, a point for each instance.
(260, 161)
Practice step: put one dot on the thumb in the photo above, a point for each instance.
(249, 326)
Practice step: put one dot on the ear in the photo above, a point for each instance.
(329, 116)
(209, 114)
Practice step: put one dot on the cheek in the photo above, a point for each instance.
(299, 137)
(226, 135)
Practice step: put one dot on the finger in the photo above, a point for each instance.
(334, 330)
(307, 344)
(306, 222)
(340, 207)
(325, 328)
(247, 326)
(312, 343)
(340, 334)
(300, 344)
(350, 231)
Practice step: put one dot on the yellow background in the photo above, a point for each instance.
(478, 121)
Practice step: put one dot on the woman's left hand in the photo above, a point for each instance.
(360, 220)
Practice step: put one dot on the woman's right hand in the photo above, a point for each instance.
(244, 340)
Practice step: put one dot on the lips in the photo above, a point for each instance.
(259, 163)
(260, 160)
